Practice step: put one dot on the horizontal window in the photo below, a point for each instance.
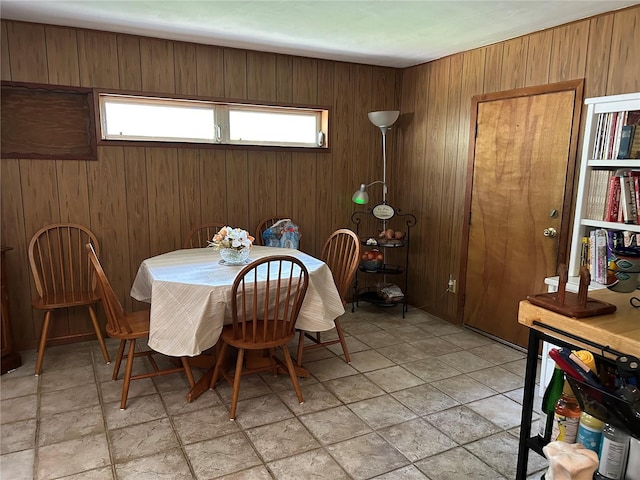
(141, 118)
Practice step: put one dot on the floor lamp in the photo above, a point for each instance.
(383, 120)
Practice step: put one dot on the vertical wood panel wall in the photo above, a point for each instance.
(433, 142)
(143, 201)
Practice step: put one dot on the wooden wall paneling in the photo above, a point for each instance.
(5, 65)
(538, 58)
(261, 76)
(304, 171)
(98, 59)
(28, 52)
(284, 163)
(262, 194)
(213, 186)
(137, 214)
(157, 65)
(14, 235)
(416, 164)
(569, 52)
(235, 73)
(73, 195)
(109, 222)
(185, 67)
(41, 207)
(62, 55)
(324, 161)
(210, 71)
(493, 67)
(367, 159)
(472, 84)
(164, 200)
(342, 176)
(514, 61)
(451, 211)
(434, 177)
(189, 190)
(235, 87)
(598, 54)
(237, 189)
(624, 73)
(129, 70)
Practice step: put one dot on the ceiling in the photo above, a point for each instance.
(394, 33)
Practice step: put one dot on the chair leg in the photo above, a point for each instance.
(119, 355)
(300, 347)
(343, 342)
(292, 373)
(127, 374)
(43, 341)
(96, 327)
(219, 362)
(236, 384)
(187, 371)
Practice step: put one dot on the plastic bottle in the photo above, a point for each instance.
(566, 417)
(547, 409)
(590, 431)
(613, 453)
(633, 463)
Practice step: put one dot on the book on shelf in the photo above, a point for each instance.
(613, 200)
(628, 200)
(598, 255)
(626, 136)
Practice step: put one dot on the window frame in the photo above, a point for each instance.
(221, 121)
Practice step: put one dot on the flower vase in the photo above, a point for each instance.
(232, 256)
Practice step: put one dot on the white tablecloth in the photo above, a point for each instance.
(190, 294)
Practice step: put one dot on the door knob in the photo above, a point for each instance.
(550, 232)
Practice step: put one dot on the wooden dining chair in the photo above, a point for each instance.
(266, 299)
(63, 278)
(128, 326)
(267, 223)
(201, 235)
(341, 252)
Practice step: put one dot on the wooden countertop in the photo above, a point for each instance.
(619, 330)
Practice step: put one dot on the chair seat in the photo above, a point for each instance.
(227, 336)
(139, 324)
(65, 300)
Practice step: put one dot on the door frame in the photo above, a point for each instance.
(568, 205)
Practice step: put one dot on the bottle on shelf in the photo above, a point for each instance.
(566, 417)
(613, 453)
(547, 410)
(590, 431)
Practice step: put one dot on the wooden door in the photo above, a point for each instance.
(522, 180)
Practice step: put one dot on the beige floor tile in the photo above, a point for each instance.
(353, 346)
(402, 353)
(463, 388)
(142, 440)
(424, 399)
(166, 465)
(464, 361)
(329, 369)
(256, 473)
(104, 473)
(498, 353)
(316, 397)
(378, 339)
(281, 439)
(70, 425)
(467, 339)
(457, 464)
(177, 404)
(139, 410)
(72, 456)
(441, 328)
(13, 387)
(462, 424)
(204, 424)
(261, 410)
(353, 388)
(59, 401)
(435, 346)
(367, 456)
(409, 438)
(221, 456)
(334, 425)
(19, 408)
(498, 379)
(499, 409)
(250, 386)
(394, 378)
(316, 464)
(112, 390)
(368, 360)
(431, 369)
(18, 465)
(18, 436)
(405, 473)
(380, 412)
(409, 333)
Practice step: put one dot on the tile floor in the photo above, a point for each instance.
(422, 399)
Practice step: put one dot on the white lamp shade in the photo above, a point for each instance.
(384, 118)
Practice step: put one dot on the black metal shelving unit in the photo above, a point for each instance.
(370, 294)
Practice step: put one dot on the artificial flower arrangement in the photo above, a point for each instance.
(234, 238)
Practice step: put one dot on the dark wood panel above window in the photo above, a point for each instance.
(47, 121)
